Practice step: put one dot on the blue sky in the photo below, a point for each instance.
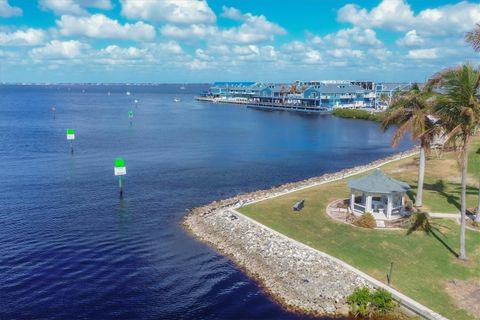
(257, 40)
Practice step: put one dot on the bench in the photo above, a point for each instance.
(299, 205)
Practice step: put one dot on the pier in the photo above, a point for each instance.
(310, 96)
(272, 106)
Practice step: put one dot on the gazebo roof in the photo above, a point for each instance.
(378, 182)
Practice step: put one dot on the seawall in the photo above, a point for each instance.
(299, 277)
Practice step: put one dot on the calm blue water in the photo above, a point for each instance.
(71, 249)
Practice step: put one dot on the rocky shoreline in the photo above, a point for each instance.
(298, 277)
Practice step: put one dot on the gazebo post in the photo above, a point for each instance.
(368, 203)
(389, 206)
(352, 200)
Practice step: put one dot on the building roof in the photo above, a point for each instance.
(378, 182)
(233, 83)
(392, 86)
(337, 88)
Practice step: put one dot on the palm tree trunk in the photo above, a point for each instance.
(421, 175)
(477, 214)
(463, 198)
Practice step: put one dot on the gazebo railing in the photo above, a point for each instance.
(397, 210)
(358, 207)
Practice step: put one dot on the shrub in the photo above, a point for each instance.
(382, 302)
(359, 301)
(366, 221)
(365, 303)
(358, 114)
(419, 221)
(409, 205)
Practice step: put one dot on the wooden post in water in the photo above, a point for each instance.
(71, 137)
(120, 170)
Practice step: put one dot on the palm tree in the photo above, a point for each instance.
(459, 109)
(473, 37)
(411, 112)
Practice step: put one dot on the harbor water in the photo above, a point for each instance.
(70, 248)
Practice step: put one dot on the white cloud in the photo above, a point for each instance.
(56, 49)
(99, 4)
(74, 7)
(252, 30)
(232, 13)
(300, 52)
(424, 54)
(345, 53)
(347, 37)
(7, 11)
(398, 15)
(411, 39)
(380, 53)
(169, 47)
(312, 56)
(100, 26)
(28, 37)
(197, 64)
(173, 11)
(194, 31)
(62, 7)
(114, 55)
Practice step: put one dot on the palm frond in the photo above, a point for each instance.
(473, 37)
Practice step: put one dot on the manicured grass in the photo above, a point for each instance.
(423, 264)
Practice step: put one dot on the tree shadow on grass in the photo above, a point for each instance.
(421, 222)
(440, 187)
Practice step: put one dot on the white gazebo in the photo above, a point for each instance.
(379, 195)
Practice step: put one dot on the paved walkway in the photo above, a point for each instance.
(444, 215)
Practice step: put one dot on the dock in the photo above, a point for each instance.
(270, 106)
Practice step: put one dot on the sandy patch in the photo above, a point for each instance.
(466, 294)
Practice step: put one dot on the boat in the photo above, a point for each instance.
(127, 93)
(176, 99)
(182, 88)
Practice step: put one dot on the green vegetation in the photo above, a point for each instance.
(359, 301)
(410, 111)
(366, 303)
(358, 114)
(424, 261)
(366, 221)
(458, 111)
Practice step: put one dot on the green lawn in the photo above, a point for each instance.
(422, 264)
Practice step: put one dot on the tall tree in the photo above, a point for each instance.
(473, 37)
(410, 111)
(459, 109)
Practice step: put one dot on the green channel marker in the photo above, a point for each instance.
(120, 170)
(71, 137)
(119, 162)
(130, 114)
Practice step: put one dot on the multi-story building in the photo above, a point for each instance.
(325, 94)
